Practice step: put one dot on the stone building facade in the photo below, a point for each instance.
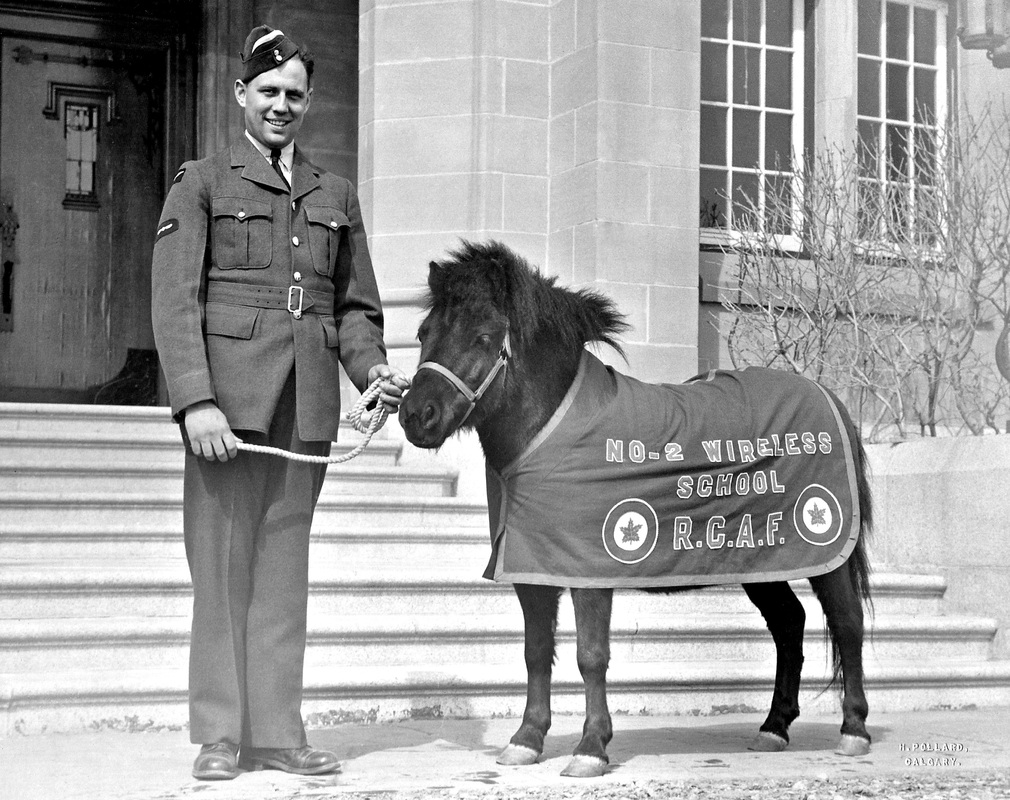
(578, 131)
(587, 134)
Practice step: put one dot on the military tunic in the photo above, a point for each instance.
(259, 293)
(229, 226)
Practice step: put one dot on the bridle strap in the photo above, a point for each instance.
(504, 356)
(451, 376)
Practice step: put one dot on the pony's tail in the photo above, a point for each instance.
(858, 563)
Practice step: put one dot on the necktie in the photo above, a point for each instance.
(275, 162)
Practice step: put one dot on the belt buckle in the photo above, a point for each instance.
(295, 309)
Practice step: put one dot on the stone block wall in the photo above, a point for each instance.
(567, 129)
(624, 154)
(453, 126)
(942, 507)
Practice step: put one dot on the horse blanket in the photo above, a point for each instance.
(733, 477)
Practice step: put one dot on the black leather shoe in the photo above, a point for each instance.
(216, 762)
(303, 760)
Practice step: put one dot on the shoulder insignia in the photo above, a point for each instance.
(178, 175)
(167, 227)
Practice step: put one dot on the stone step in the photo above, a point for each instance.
(366, 592)
(166, 479)
(95, 601)
(106, 511)
(82, 419)
(40, 645)
(47, 448)
(137, 700)
(161, 587)
(47, 435)
(462, 548)
(75, 419)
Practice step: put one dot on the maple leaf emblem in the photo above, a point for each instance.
(818, 515)
(630, 531)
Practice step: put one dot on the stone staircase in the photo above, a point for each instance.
(95, 601)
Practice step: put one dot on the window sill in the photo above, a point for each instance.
(81, 203)
(722, 240)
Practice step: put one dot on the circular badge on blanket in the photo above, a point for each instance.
(630, 531)
(817, 515)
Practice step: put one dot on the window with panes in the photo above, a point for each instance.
(900, 106)
(751, 109)
(80, 130)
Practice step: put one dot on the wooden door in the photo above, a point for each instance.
(80, 178)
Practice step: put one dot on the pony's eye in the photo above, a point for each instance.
(484, 340)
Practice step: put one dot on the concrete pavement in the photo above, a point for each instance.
(449, 756)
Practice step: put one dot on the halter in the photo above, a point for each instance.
(504, 356)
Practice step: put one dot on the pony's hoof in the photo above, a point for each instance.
(585, 767)
(853, 745)
(767, 742)
(515, 755)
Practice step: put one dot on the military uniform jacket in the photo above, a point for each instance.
(229, 232)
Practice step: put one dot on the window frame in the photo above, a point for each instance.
(79, 199)
(727, 236)
(883, 181)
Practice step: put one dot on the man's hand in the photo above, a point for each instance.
(209, 434)
(395, 383)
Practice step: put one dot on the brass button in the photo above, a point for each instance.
(294, 206)
(297, 276)
(241, 214)
(333, 223)
(294, 241)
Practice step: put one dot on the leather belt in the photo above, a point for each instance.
(294, 299)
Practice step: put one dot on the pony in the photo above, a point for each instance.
(500, 347)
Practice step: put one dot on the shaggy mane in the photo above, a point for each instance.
(480, 274)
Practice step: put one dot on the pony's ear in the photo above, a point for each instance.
(434, 276)
(498, 279)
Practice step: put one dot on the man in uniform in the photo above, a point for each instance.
(262, 286)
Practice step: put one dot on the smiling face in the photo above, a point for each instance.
(275, 102)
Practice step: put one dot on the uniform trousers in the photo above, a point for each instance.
(246, 525)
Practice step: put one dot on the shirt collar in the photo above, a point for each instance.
(287, 152)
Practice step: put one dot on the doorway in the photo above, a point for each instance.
(83, 142)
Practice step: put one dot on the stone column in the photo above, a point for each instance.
(624, 168)
(225, 25)
(452, 128)
(834, 41)
(567, 129)
(452, 131)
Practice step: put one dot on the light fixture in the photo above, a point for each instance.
(982, 24)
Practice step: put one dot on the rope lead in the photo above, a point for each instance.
(376, 420)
